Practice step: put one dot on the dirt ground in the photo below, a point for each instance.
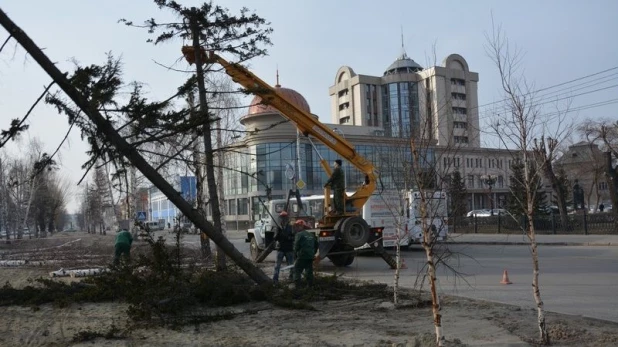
(347, 322)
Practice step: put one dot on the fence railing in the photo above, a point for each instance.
(598, 223)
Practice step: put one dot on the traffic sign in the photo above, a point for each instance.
(300, 184)
(289, 171)
(141, 215)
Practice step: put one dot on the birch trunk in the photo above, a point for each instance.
(111, 197)
(543, 335)
(431, 271)
(399, 262)
(536, 291)
(26, 215)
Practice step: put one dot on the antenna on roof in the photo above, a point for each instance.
(403, 49)
(277, 85)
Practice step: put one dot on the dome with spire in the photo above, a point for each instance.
(257, 107)
(403, 64)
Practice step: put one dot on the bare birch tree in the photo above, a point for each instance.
(534, 139)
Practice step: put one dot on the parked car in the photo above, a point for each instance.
(486, 212)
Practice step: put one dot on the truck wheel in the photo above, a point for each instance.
(341, 260)
(254, 249)
(355, 231)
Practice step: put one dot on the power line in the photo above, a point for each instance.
(552, 86)
(570, 110)
(563, 98)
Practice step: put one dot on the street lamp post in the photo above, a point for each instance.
(490, 180)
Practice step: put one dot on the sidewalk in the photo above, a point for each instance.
(545, 240)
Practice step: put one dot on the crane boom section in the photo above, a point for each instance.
(305, 122)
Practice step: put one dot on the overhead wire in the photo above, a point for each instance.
(550, 87)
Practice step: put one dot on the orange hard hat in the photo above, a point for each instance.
(302, 223)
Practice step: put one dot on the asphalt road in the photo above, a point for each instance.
(578, 280)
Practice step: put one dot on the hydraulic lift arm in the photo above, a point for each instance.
(305, 122)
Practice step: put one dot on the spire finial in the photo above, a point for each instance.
(277, 85)
(403, 49)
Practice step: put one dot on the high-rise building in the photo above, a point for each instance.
(438, 103)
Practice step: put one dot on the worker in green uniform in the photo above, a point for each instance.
(122, 246)
(305, 248)
(337, 183)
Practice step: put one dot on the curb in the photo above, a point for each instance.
(503, 243)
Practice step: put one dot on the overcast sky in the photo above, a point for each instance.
(562, 40)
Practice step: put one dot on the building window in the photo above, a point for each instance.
(458, 110)
(344, 120)
(467, 162)
(344, 106)
(461, 139)
(470, 181)
(458, 82)
(456, 162)
(500, 182)
(460, 125)
(232, 207)
(603, 186)
(458, 96)
(343, 92)
(243, 206)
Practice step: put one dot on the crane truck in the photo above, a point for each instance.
(338, 234)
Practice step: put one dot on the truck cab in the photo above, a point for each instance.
(427, 208)
(267, 220)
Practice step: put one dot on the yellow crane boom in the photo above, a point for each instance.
(307, 124)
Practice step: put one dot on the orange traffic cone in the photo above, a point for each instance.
(505, 278)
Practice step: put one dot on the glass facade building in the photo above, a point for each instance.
(400, 109)
(261, 170)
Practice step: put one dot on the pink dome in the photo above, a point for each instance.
(292, 95)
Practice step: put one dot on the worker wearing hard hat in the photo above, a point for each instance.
(305, 248)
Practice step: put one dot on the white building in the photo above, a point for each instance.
(437, 103)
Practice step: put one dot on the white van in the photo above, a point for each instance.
(152, 225)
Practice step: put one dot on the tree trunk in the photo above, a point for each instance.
(399, 262)
(612, 183)
(200, 194)
(106, 129)
(536, 291)
(30, 198)
(4, 201)
(116, 218)
(431, 270)
(221, 264)
(562, 204)
(207, 131)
